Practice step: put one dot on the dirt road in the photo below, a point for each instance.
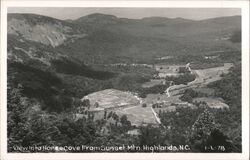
(203, 77)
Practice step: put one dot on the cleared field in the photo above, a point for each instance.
(203, 77)
(213, 74)
(205, 90)
(153, 98)
(138, 115)
(125, 103)
(170, 103)
(111, 98)
(212, 102)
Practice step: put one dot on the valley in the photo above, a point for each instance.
(139, 114)
(104, 80)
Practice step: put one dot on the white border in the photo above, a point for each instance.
(244, 5)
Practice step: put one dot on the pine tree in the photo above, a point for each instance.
(17, 123)
(204, 125)
(205, 134)
(105, 114)
(201, 130)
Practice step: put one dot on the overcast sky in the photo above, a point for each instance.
(135, 13)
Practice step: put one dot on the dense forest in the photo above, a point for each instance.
(200, 128)
(57, 91)
(226, 130)
(181, 79)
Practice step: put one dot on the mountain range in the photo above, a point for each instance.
(100, 38)
(51, 57)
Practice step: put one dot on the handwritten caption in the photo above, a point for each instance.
(85, 148)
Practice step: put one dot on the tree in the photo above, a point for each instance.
(105, 114)
(115, 117)
(201, 129)
(204, 124)
(155, 105)
(76, 102)
(42, 129)
(144, 105)
(160, 113)
(110, 115)
(181, 79)
(17, 122)
(124, 120)
(86, 103)
(218, 138)
(125, 124)
(66, 102)
(187, 98)
(183, 70)
(150, 135)
(96, 105)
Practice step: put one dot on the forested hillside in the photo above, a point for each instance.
(53, 64)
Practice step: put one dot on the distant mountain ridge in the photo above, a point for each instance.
(43, 29)
(101, 38)
(106, 19)
(97, 17)
(154, 19)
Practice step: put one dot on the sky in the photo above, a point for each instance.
(133, 13)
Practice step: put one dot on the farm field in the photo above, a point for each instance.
(111, 98)
(212, 102)
(125, 103)
(213, 74)
(138, 115)
(203, 77)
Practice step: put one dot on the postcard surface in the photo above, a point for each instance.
(125, 80)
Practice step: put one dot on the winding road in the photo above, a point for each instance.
(204, 76)
(167, 91)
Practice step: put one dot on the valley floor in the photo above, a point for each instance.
(138, 114)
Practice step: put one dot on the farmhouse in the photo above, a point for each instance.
(110, 98)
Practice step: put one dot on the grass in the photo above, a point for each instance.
(138, 115)
(111, 98)
(212, 102)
